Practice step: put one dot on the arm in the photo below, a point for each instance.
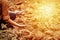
(6, 16)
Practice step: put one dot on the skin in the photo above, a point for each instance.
(5, 15)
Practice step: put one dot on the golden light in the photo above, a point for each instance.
(47, 10)
(44, 17)
(43, 13)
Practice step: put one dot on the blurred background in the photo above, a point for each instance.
(41, 17)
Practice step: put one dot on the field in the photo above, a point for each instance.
(41, 17)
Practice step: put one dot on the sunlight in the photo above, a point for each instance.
(47, 10)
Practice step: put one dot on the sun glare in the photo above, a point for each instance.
(47, 10)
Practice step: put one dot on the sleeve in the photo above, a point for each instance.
(5, 10)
